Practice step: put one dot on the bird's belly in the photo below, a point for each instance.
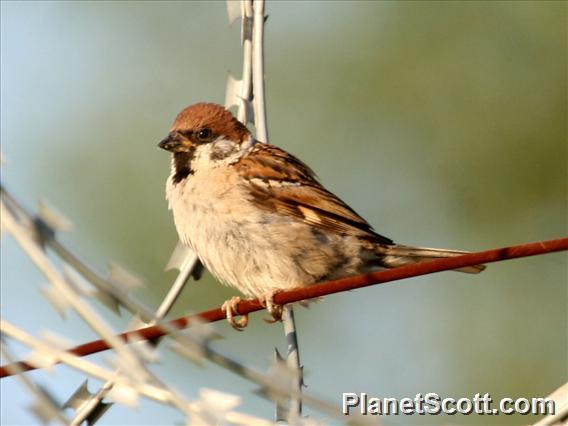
(243, 252)
(254, 250)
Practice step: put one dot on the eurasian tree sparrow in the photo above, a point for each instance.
(258, 218)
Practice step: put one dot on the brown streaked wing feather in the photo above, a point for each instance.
(273, 176)
(268, 162)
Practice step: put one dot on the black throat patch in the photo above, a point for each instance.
(182, 166)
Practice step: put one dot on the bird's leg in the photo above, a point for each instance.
(230, 309)
(267, 300)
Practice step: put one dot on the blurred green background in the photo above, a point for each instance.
(442, 123)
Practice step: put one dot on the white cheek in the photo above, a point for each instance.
(219, 153)
(201, 158)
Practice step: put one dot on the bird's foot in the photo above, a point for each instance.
(267, 301)
(230, 309)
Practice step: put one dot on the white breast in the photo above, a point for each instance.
(252, 249)
(213, 215)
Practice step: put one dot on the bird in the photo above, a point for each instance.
(259, 219)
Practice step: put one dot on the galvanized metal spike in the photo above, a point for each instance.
(202, 331)
(222, 401)
(42, 232)
(97, 412)
(233, 91)
(198, 270)
(234, 10)
(42, 359)
(190, 350)
(203, 418)
(108, 300)
(136, 323)
(278, 398)
(192, 343)
(213, 407)
(44, 411)
(76, 281)
(276, 376)
(120, 276)
(53, 218)
(118, 363)
(178, 257)
(48, 396)
(59, 302)
(82, 287)
(280, 372)
(144, 349)
(125, 395)
(79, 397)
(181, 257)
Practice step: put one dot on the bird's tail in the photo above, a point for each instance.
(398, 255)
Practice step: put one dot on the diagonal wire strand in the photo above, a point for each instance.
(293, 411)
(156, 391)
(332, 287)
(10, 220)
(47, 407)
(34, 252)
(87, 408)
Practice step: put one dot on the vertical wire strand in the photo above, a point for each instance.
(294, 410)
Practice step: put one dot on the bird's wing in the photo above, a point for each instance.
(279, 182)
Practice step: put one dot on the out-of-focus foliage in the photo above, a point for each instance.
(443, 124)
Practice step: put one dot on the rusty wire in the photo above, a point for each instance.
(324, 289)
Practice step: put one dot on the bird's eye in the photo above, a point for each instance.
(204, 134)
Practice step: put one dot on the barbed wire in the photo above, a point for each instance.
(281, 384)
(275, 389)
(35, 232)
(250, 96)
(332, 287)
(276, 384)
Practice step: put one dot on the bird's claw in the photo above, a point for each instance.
(267, 301)
(230, 309)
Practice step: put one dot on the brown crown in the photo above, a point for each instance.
(212, 116)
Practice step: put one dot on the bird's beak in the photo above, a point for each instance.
(176, 142)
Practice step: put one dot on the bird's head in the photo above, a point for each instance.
(204, 135)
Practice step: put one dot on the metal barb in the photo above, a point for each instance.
(281, 411)
(184, 260)
(79, 397)
(293, 362)
(44, 407)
